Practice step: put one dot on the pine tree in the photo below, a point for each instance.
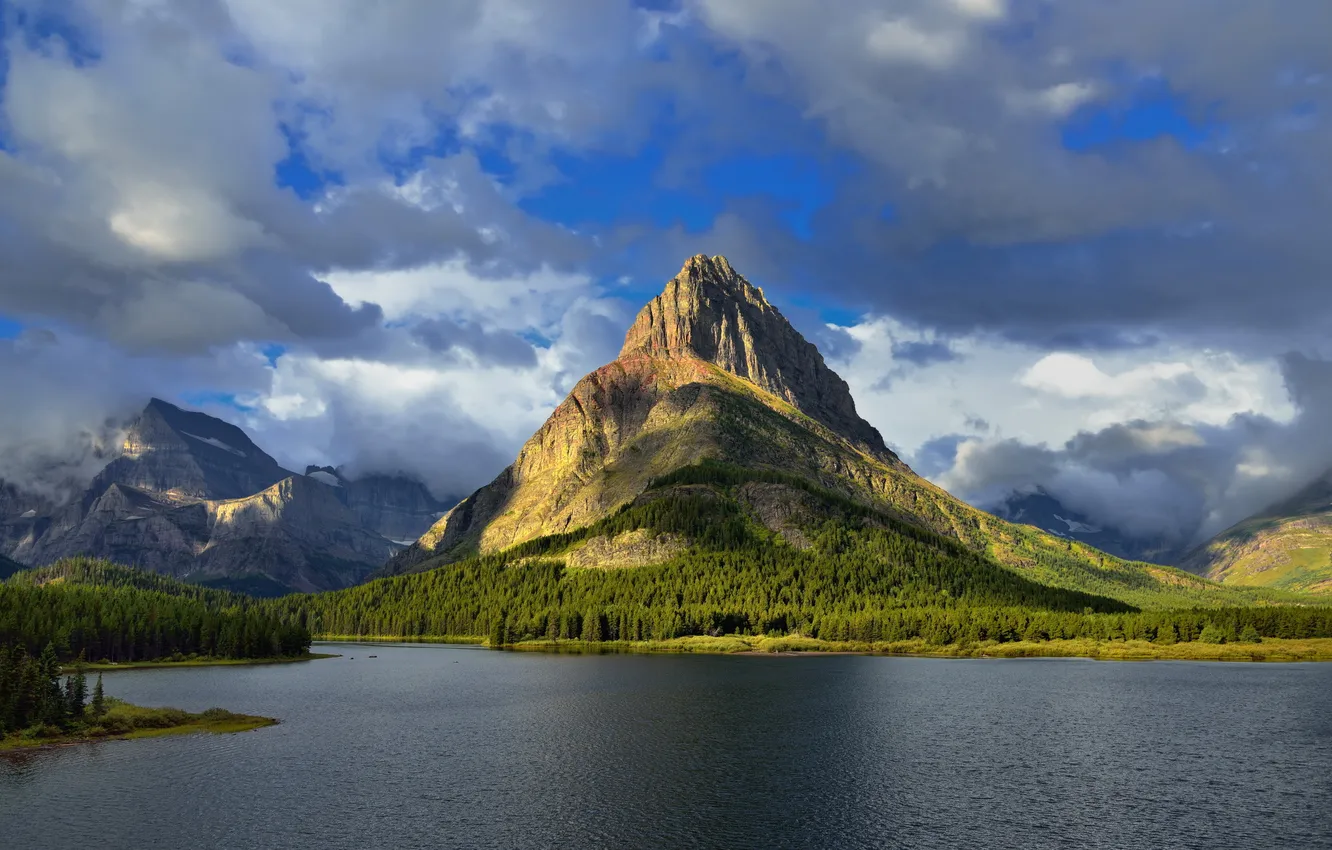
(98, 699)
(76, 689)
(499, 632)
(52, 698)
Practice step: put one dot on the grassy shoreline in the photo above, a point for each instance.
(451, 639)
(98, 667)
(1270, 649)
(124, 721)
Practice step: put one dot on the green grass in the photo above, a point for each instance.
(124, 721)
(1270, 649)
(1304, 567)
(463, 639)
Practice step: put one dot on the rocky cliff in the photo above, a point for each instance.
(710, 313)
(395, 506)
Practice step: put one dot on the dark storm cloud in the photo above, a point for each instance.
(923, 353)
(956, 110)
(445, 335)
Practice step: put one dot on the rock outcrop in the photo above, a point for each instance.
(708, 312)
(395, 506)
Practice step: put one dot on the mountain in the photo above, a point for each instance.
(711, 373)
(1287, 546)
(395, 506)
(16, 501)
(1038, 508)
(193, 497)
(183, 455)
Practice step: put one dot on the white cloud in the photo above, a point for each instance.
(1024, 393)
(1058, 100)
(898, 39)
(534, 300)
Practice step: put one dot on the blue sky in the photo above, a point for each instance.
(404, 230)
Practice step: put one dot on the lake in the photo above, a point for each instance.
(439, 746)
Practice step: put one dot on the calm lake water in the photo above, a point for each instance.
(431, 746)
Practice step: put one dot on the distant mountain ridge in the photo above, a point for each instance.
(1042, 510)
(184, 455)
(396, 506)
(1287, 546)
(194, 497)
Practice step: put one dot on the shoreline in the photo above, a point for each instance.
(1268, 650)
(111, 666)
(211, 722)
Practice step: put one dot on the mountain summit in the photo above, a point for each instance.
(709, 312)
(715, 396)
(186, 455)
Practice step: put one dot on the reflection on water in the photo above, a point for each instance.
(430, 746)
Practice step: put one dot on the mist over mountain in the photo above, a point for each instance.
(194, 497)
(1165, 480)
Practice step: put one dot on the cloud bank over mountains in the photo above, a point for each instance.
(1065, 245)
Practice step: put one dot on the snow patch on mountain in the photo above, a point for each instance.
(326, 478)
(215, 443)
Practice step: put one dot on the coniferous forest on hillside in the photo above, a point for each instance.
(864, 577)
(104, 612)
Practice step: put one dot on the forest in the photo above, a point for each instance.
(105, 612)
(863, 577)
(31, 691)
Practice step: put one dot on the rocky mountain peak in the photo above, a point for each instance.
(189, 455)
(712, 313)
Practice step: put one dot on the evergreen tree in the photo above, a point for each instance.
(77, 690)
(98, 699)
(51, 697)
(499, 633)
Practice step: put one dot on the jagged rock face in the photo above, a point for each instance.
(186, 455)
(709, 312)
(395, 506)
(16, 501)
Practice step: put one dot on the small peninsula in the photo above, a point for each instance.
(42, 707)
(123, 721)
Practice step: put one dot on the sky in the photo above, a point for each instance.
(1073, 245)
